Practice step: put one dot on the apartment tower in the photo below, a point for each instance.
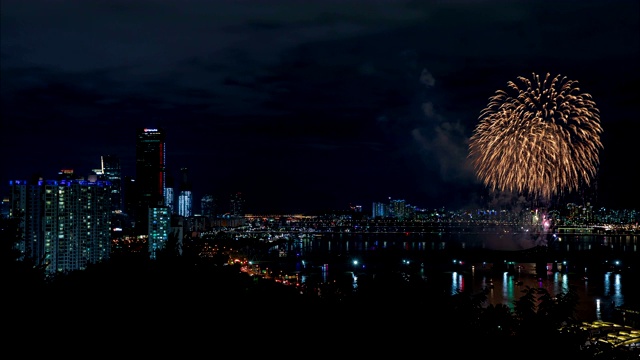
(65, 224)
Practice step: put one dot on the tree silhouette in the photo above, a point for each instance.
(20, 276)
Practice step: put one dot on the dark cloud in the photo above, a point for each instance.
(318, 102)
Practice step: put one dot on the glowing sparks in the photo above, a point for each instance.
(538, 138)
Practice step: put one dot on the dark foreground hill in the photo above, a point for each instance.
(185, 307)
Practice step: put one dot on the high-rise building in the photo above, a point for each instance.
(208, 206)
(65, 224)
(21, 206)
(110, 168)
(4, 212)
(236, 205)
(185, 202)
(169, 194)
(129, 199)
(150, 175)
(159, 228)
(379, 210)
(185, 198)
(66, 174)
(397, 208)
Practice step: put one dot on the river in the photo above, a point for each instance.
(330, 257)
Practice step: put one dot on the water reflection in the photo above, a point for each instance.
(598, 293)
(611, 294)
(613, 288)
(597, 296)
(560, 283)
(597, 299)
(457, 283)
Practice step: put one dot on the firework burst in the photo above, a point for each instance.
(537, 138)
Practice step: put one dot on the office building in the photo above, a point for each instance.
(236, 204)
(185, 198)
(208, 206)
(185, 201)
(66, 174)
(169, 194)
(150, 175)
(110, 169)
(129, 199)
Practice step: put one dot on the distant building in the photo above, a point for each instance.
(169, 194)
(185, 198)
(65, 224)
(236, 203)
(379, 210)
(398, 209)
(159, 229)
(185, 201)
(150, 175)
(208, 206)
(66, 174)
(176, 234)
(111, 171)
(129, 197)
(169, 197)
(4, 212)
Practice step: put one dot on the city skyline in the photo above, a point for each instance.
(305, 107)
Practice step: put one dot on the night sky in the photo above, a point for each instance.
(305, 105)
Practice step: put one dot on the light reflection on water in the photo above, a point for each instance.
(597, 295)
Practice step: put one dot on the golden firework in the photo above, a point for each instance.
(537, 138)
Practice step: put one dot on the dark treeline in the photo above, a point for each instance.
(185, 302)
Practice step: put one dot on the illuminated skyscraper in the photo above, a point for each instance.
(129, 199)
(397, 208)
(112, 173)
(169, 195)
(159, 227)
(380, 210)
(237, 205)
(185, 202)
(208, 206)
(66, 174)
(185, 198)
(150, 175)
(65, 224)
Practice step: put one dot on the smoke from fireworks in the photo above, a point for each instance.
(537, 138)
